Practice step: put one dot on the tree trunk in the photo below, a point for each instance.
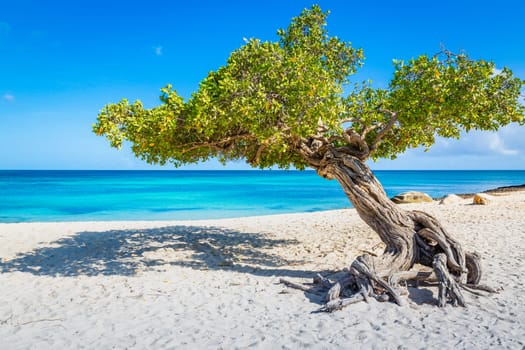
(410, 237)
(394, 226)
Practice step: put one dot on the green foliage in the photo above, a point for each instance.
(445, 94)
(270, 99)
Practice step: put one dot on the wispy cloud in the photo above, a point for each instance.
(8, 97)
(474, 150)
(158, 50)
(496, 71)
(505, 142)
(496, 144)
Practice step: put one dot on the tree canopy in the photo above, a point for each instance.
(292, 103)
(284, 103)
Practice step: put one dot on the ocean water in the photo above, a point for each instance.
(29, 196)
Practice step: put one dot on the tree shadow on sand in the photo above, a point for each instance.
(125, 252)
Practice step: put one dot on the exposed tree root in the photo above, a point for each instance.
(474, 287)
(338, 304)
(448, 287)
(418, 247)
(372, 277)
(297, 286)
(372, 284)
(473, 263)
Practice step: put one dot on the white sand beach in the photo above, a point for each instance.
(215, 284)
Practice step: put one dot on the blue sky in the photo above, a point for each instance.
(61, 62)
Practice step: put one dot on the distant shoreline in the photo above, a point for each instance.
(497, 190)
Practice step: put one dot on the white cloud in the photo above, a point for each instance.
(158, 50)
(474, 150)
(507, 141)
(497, 145)
(8, 97)
(496, 71)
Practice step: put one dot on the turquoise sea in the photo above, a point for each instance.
(29, 196)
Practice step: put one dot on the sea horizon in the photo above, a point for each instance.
(181, 194)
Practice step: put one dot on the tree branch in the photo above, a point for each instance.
(370, 128)
(260, 149)
(321, 128)
(358, 146)
(385, 129)
(351, 120)
(257, 156)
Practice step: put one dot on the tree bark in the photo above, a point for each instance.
(410, 237)
(395, 226)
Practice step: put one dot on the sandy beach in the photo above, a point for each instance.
(215, 284)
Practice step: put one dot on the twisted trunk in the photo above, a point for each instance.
(394, 226)
(410, 237)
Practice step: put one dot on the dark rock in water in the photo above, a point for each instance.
(411, 197)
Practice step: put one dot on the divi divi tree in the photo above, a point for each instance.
(290, 103)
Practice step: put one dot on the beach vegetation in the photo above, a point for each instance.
(291, 103)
